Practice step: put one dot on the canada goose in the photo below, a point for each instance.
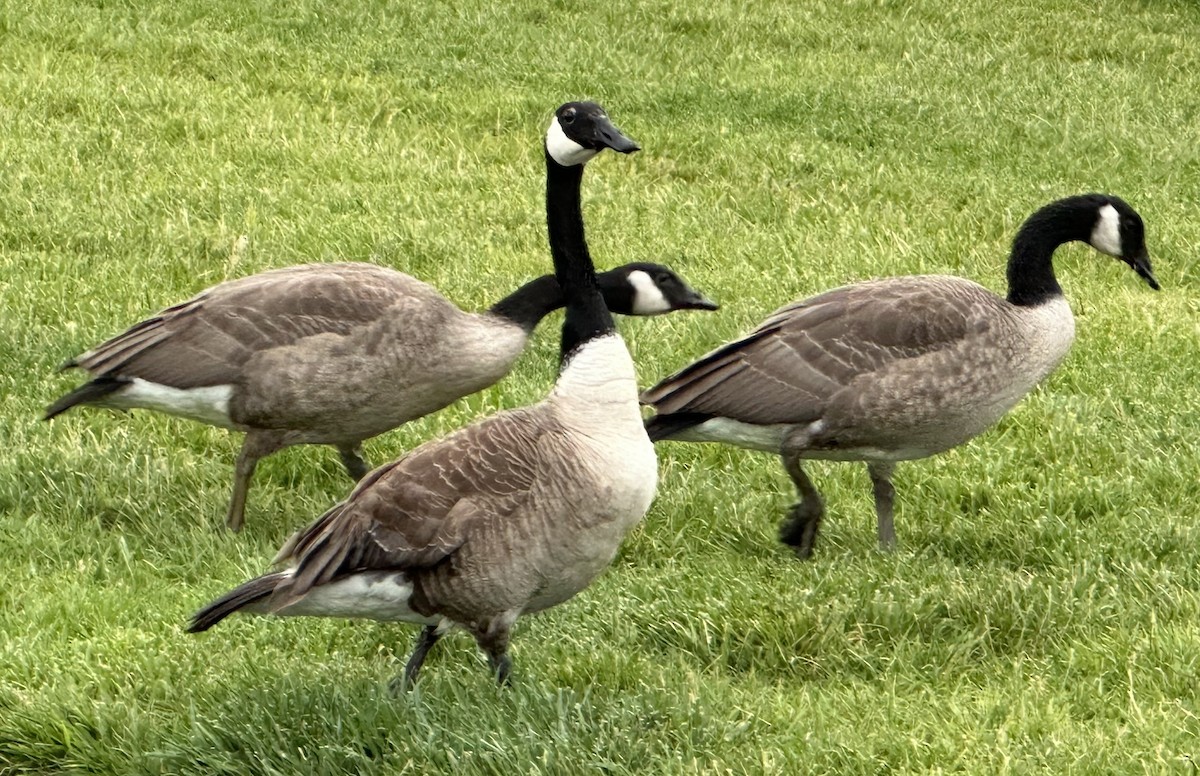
(332, 354)
(509, 515)
(894, 369)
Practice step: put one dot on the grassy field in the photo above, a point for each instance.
(1042, 613)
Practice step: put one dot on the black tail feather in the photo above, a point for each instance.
(238, 598)
(88, 393)
(660, 427)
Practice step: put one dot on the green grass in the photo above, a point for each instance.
(1041, 613)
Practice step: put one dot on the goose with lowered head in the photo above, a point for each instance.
(895, 369)
(333, 354)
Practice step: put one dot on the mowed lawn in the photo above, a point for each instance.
(1042, 611)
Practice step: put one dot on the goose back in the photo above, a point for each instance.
(511, 514)
(893, 369)
(212, 335)
(329, 353)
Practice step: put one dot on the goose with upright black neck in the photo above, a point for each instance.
(894, 369)
(509, 515)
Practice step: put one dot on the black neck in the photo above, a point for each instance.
(1031, 278)
(529, 304)
(587, 316)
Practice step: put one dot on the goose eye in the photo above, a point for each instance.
(569, 117)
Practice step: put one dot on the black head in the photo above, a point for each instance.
(642, 288)
(1117, 230)
(580, 130)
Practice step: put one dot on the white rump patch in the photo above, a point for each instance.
(369, 596)
(769, 439)
(209, 404)
(1106, 235)
(648, 298)
(563, 149)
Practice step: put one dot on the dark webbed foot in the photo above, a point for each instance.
(352, 459)
(799, 530)
(492, 638)
(502, 668)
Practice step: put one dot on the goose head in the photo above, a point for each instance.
(642, 288)
(580, 130)
(1117, 231)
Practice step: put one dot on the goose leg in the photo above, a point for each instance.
(352, 459)
(799, 530)
(428, 636)
(885, 494)
(243, 470)
(493, 640)
(501, 665)
(254, 447)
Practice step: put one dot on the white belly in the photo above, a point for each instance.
(735, 432)
(369, 596)
(209, 404)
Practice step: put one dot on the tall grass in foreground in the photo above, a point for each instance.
(1041, 613)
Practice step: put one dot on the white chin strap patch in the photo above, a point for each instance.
(1106, 234)
(563, 149)
(648, 298)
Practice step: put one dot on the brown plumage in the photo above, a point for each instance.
(807, 357)
(216, 333)
(894, 369)
(332, 354)
(510, 515)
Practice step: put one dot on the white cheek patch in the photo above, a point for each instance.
(563, 149)
(1106, 235)
(648, 298)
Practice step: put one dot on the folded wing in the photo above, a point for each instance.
(803, 354)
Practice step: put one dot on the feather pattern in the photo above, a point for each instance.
(416, 512)
(216, 332)
(893, 369)
(809, 356)
(333, 354)
(327, 354)
(522, 509)
(511, 514)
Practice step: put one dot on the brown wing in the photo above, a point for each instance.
(787, 369)
(417, 511)
(206, 340)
